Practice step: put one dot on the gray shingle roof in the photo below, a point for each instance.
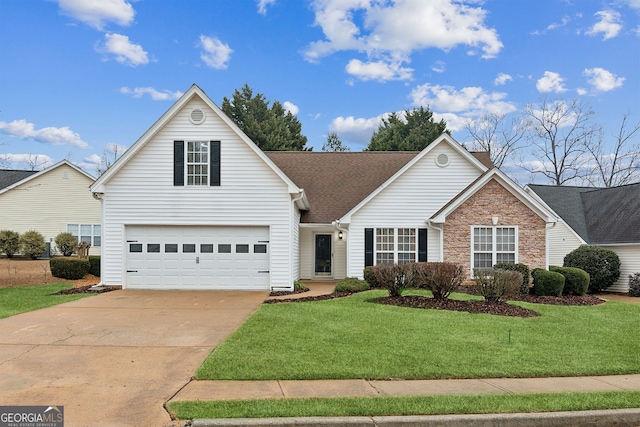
(598, 215)
(9, 177)
(335, 182)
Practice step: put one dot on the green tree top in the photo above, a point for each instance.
(334, 143)
(270, 128)
(414, 133)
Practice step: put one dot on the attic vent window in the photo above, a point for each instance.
(442, 160)
(197, 116)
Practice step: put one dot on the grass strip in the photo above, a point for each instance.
(422, 405)
(353, 337)
(28, 298)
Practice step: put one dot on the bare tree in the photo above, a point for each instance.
(492, 134)
(109, 157)
(622, 166)
(5, 159)
(334, 143)
(559, 134)
(36, 162)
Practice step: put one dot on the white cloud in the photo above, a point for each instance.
(156, 95)
(28, 161)
(215, 53)
(502, 79)
(50, 135)
(603, 80)
(609, 24)
(96, 13)
(438, 67)
(633, 4)
(93, 161)
(291, 107)
(262, 6)
(356, 130)
(388, 32)
(125, 52)
(551, 82)
(378, 70)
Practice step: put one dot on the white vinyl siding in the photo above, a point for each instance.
(410, 200)
(562, 240)
(493, 245)
(50, 201)
(629, 264)
(251, 194)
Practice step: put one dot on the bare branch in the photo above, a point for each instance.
(492, 134)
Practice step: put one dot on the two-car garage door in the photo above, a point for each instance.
(197, 257)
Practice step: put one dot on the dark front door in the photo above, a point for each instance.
(323, 255)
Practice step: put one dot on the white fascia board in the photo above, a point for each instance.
(194, 90)
(47, 170)
(442, 139)
(540, 209)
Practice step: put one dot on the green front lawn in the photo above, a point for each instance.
(425, 405)
(355, 338)
(28, 298)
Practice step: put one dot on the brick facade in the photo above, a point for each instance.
(493, 200)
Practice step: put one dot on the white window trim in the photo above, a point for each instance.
(396, 238)
(187, 164)
(493, 243)
(93, 234)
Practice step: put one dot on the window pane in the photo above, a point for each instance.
(482, 260)
(197, 163)
(73, 229)
(188, 248)
(153, 247)
(384, 258)
(406, 257)
(135, 247)
(505, 258)
(224, 249)
(206, 248)
(97, 241)
(259, 249)
(171, 248)
(242, 249)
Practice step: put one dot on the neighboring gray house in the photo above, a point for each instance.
(608, 217)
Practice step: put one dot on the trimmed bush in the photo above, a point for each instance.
(497, 285)
(547, 283)
(603, 265)
(523, 269)
(352, 285)
(69, 268)
(576, 280)
(66, 243)
(94, 265)
(370, 277)
(32, 244)
(394, 277)
(441, 278)
(634, 285)
(9, 242)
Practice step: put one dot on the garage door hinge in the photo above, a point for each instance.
(263, 241)
(132, 241)
(263, 271)
(132, 271)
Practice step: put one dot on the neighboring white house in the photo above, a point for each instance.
(195, 204)
(51, 201)
(607, 217)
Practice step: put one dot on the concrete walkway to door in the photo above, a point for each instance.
(115, 358)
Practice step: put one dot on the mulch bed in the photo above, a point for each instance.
(500, 309)
(87, 290)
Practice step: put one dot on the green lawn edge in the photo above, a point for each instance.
(397, 406)
(22, 299)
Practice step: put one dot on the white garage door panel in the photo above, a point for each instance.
(175, 257)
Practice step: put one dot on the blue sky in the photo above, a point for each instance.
(80, 76)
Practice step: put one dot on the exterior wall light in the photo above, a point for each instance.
(340, 235)
(494, 220)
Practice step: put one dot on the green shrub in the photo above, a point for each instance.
(352, 285)
(66, 243)
(547, 282)
(441, 278)
(523, 269)
(9, 242)
(394, 277)
(497, 285)
(576, 280)
(634, 285)
(370, 277)
(297, 285)
(603, 265)
(69, 268)
(94, 265)
(32, 244)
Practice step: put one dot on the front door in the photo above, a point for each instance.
(323, 255)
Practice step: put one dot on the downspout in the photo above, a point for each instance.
(291, 254)
(440, 238)
(343, 230)
(100, 196)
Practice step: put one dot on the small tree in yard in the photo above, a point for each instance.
(66, 243)
(603, 265)
(634, 285)
(441, 278)
(32, 244)
(9, 242)
(497, 285)
(394, 277)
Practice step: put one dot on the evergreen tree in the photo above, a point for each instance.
(414, 133)
(334, 143)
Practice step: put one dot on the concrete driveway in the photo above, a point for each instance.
(115, 358)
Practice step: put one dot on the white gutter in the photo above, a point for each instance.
(441, 238)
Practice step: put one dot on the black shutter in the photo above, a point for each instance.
(422, 245)
(214, 179)
(368, 247)
(178, 162)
